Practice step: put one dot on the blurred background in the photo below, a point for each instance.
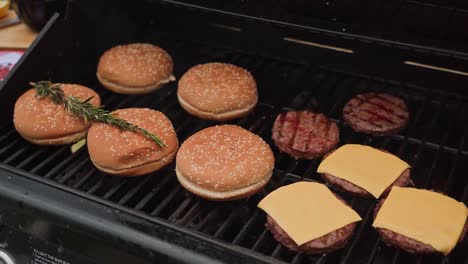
(20, 22)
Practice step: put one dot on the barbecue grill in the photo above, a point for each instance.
(55, 207)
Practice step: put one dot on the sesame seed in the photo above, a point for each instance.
(225, 157)
(218, 87)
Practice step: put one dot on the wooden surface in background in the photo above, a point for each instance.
(16, 36)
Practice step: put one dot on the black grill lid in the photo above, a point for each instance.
(434, 144)
(434, 23)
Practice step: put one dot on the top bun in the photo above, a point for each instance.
(224, 163)
(135, 68)
(44, 122)
(217, 91)
(127, 153)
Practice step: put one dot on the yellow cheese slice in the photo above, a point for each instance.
(367, 167)
(307, 210)
(425, 216)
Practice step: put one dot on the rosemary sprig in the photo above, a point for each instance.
(88, 111)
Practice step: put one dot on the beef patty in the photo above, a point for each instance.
(343, 185)
(408, 244)
(324, 244)
(346, 186)
(305, 134)
(377, 114)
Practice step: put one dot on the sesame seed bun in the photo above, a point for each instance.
(137, 68)
(126, 153)
(42, 122)
(217, 91)
(224, 163)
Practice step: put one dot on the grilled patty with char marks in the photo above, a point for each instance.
(305, 134)
(377, 114)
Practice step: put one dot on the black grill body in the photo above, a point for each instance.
(56, 204)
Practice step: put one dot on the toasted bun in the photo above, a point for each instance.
(126, 153)
(217, 91)
(41, 121)
(224, 163)
(135, 68)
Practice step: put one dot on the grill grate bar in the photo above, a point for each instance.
(166, 201)
(9, 146)
(226, 224)
(115, 188)
(96, 186)
(321, 259)
(152, 193)
(455, 162)
(396, 256)
(465, 194)
(74, 169)
(7, 135)
(123, 102)
(84, 179)
(134, 190)
(297, 258)
(191, 212)
(437, 157)
(246, 228)
(461, 142)
(49, 159)
(62, 164)
(208, 217)
(277, 250)
(292, 165)
(17, 153)
(181, 208)
(110, 98)
(423, 141)
(357, 235)
(431, 145)
(375, 250)
(30, 158)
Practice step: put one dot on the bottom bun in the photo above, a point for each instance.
(121, 89)
(214, 116)
(57, 141)
(141, 169)
(222, 196)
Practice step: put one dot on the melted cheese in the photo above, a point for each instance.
(367, 167)
(307, 210)
(425, 216)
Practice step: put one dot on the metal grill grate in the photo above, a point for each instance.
(434, 144)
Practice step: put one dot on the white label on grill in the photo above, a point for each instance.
(41, 257)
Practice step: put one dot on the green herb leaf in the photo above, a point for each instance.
(78, 145)
(88, 111)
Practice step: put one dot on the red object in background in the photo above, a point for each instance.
(8, 59)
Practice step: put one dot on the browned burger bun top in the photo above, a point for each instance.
(126, 153)
(224, 162)
(135, 68)
(44, 122)
(217, 91)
